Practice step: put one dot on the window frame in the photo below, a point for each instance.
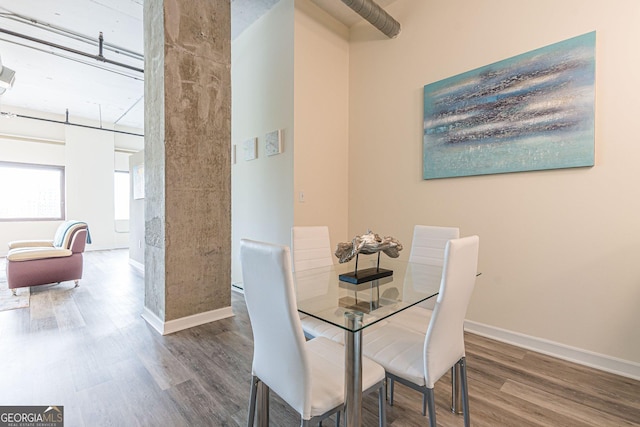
(33, 166)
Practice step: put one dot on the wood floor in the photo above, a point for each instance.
(89, 350)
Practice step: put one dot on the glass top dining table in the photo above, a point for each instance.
(329, 294)
(322, 294)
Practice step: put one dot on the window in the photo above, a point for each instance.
(121, 195)
(31, 192)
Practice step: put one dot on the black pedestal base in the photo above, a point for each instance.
(366, 275)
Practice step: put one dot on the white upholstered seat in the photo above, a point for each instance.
(415, 319)
(399, 350)
(403, 351)
(313, 327)
(307, 375)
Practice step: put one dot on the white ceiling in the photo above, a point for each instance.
(53, 80)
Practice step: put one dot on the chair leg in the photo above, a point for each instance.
(263, 405)
(382, 412)
(386, 388)
(338, 418)
(465, 392)
(432, 407)
(424, 404)
(252, 401)
(390, 391)
(14, 293)
(77, 282)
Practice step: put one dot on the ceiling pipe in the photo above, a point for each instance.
(8, 115)
(67, 33)
(68, 49)
(376, 15)
(96, 64)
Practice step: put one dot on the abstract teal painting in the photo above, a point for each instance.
(533, 111)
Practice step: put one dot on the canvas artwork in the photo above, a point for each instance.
(273, 142)
(250, 148)
(533, 111)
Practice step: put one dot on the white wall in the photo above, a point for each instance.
(559, 250)
(89, 171)
(89, 160)
(273, 75)
(262, 101)
(321, 100)
(136, 216)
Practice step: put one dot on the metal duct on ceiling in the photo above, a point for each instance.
(373, 13)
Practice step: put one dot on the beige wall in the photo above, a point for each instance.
(262, 101)
(560, 250)
(321, 100)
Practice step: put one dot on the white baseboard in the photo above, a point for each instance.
(137, 265)
(599, 361)
(171, 326)
(153, 320)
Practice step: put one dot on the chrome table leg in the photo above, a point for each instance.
(353, 370)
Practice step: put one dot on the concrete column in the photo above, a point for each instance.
(187, 164)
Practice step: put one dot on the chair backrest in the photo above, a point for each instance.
(428, 244)
(311, 247)
(66, 231)
(427, 257)
(279, 357)
(444, 342)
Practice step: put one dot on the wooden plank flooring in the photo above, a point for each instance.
(89, 350)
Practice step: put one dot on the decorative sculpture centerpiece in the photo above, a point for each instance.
(367, 244)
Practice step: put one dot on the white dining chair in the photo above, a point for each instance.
(418, 360)
(311, 249)
(429, 242)
(425, 266)
(308, 375)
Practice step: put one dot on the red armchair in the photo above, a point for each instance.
(39, 262)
